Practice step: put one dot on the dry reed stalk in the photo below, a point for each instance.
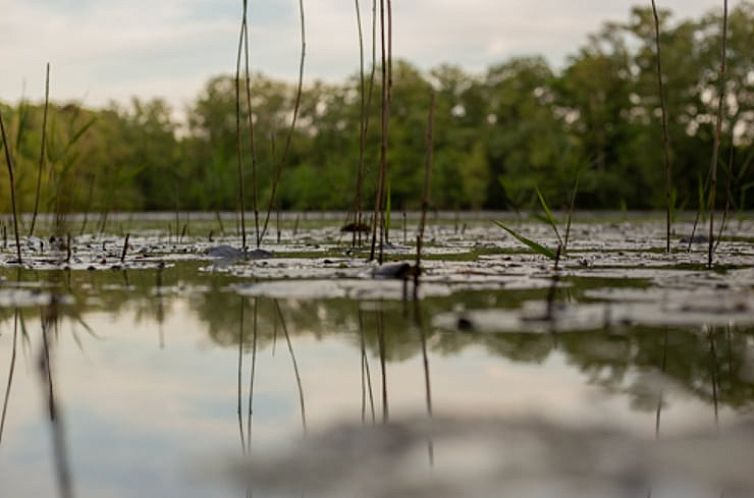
(125, 248)
(362, 131)
(289, 137)
(426, 190)
(379, 210)
(239, 144)
(665, 134)
(12, 183)
(41, 153)
(250, 124)
(718, 132)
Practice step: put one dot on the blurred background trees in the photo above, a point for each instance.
(519, 126)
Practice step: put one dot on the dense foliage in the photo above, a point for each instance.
(500, 135)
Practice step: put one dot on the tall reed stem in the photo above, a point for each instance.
(41, 153)
(250, 119)
(362, 130)
(426, 190)
(718, 132)
(239, 143)
(379, 202)
(12, 183)
(289, 138)
(665, 134)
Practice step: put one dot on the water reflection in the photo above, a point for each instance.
(139, 412)
(50, 334)
(6, 398)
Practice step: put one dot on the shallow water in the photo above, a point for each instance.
(155, 360)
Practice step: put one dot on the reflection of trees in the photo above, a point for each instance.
(708, 365)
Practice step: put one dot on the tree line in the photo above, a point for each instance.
(500, 135)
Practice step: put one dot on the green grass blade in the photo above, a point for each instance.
(534, 246)
(80, 133)
(388, 209)
(548, 216)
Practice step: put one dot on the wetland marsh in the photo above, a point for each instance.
(185, 370)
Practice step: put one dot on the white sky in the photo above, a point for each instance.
(113, 49)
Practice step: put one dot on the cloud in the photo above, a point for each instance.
(115, 49)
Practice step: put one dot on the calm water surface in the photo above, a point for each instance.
(153, 371)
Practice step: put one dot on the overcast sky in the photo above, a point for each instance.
(112, 49)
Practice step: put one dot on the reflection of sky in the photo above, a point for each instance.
(138, 417)
(119, 48)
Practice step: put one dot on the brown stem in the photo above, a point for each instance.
(250, 119)
(665, 134)
(718, 131)
(41, 153)
(426, 190)
(239, 145)
(362, 130)
(12, 183)
(292, 129)
(125, 248)
(379, 212)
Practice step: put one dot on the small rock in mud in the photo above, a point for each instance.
(464, 324)
(696, 239)
(224, 252)
(259, 254)
(396, 270)
(355, 228)
(232, 253)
